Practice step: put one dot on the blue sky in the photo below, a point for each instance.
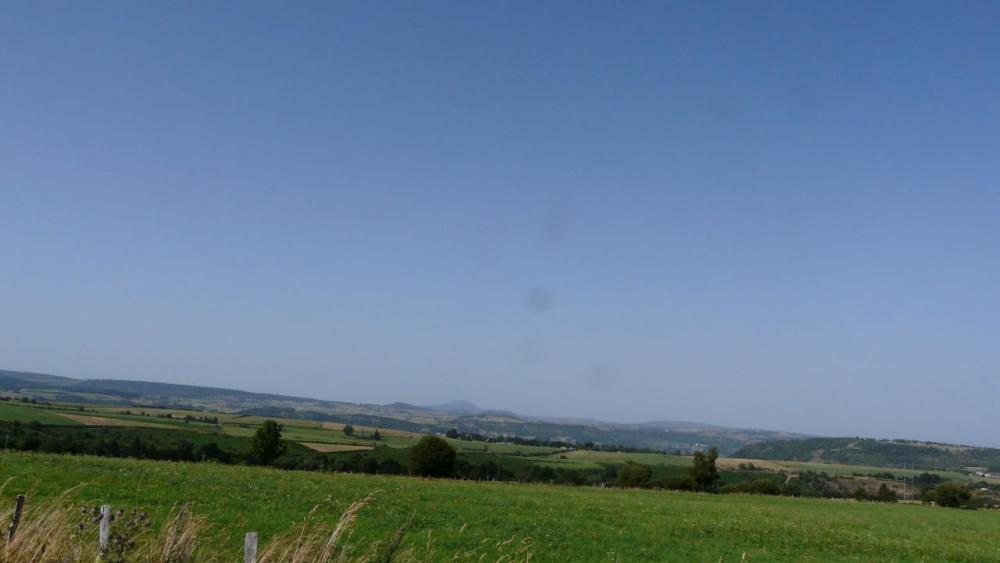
(766, 214)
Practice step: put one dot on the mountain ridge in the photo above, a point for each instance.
(462, 415)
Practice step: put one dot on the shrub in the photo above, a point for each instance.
(885, 494)
(432, 457)
(267, 443)
(679, 483)
(704, 473)
(952, 494)
(634, 474)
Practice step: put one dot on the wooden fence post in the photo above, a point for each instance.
(18, 508)
(250, 548)
(105, 533)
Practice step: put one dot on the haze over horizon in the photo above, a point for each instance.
(715, 212)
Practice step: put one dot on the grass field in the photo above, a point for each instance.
(561, 523)
(592, 459)
(10, 412)
(106, 421)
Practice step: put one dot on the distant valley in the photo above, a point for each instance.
(461, 415)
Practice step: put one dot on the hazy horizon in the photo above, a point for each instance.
(767, 215)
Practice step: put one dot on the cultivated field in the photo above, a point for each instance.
(554, 523)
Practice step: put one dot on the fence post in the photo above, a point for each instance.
(18, 507)
(250, 548)
(105, 532)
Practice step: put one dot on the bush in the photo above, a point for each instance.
(679, 483)
(704, 473)
(755, 487)
(432, 457)
(267, 443)
(634, 474)
(764, 487)
(391, 467)
(885, 494)
(952, 494)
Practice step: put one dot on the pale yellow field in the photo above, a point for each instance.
(101, 421)
(331, 448)
(734, 463)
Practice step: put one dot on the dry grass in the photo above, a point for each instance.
(46, 533)
(315, 541)
(52, 532)
(178, 538)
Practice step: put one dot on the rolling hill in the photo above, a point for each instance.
(879, 453)
(461, 415)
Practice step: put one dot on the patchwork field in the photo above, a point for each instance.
(558, 523)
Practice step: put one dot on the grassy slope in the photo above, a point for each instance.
(565, 524)
(878, 453)
(315, 432)
(12, 411)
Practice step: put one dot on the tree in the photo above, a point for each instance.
(211, 450)
(860, 494)
(432, 457)
(348, 430)
(704, 472)
(452, 433)
(185, 450)
(952, 494)
(634, 474)
(267, 443)
(885, 494)
(390, 467)
(376, 436)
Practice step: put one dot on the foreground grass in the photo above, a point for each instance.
(562, 523)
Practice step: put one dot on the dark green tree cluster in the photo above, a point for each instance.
(704, 473)
(267, 444)
(634, 475)
(432, 457)
(952, 494)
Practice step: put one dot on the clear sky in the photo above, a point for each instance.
(780, 215)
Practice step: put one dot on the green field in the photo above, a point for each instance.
(587, 459)
(10, 412)
(847, 470)
(561, 523)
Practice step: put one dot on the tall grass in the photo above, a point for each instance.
(54, 532)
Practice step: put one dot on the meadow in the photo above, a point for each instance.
(555, 523)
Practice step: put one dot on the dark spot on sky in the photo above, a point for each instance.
(600, 376)
(538, 301)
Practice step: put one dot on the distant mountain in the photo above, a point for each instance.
(877, 453)
(468, 408)
(462, 415)
(456, 407)
(676, 425)
(8, 377)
